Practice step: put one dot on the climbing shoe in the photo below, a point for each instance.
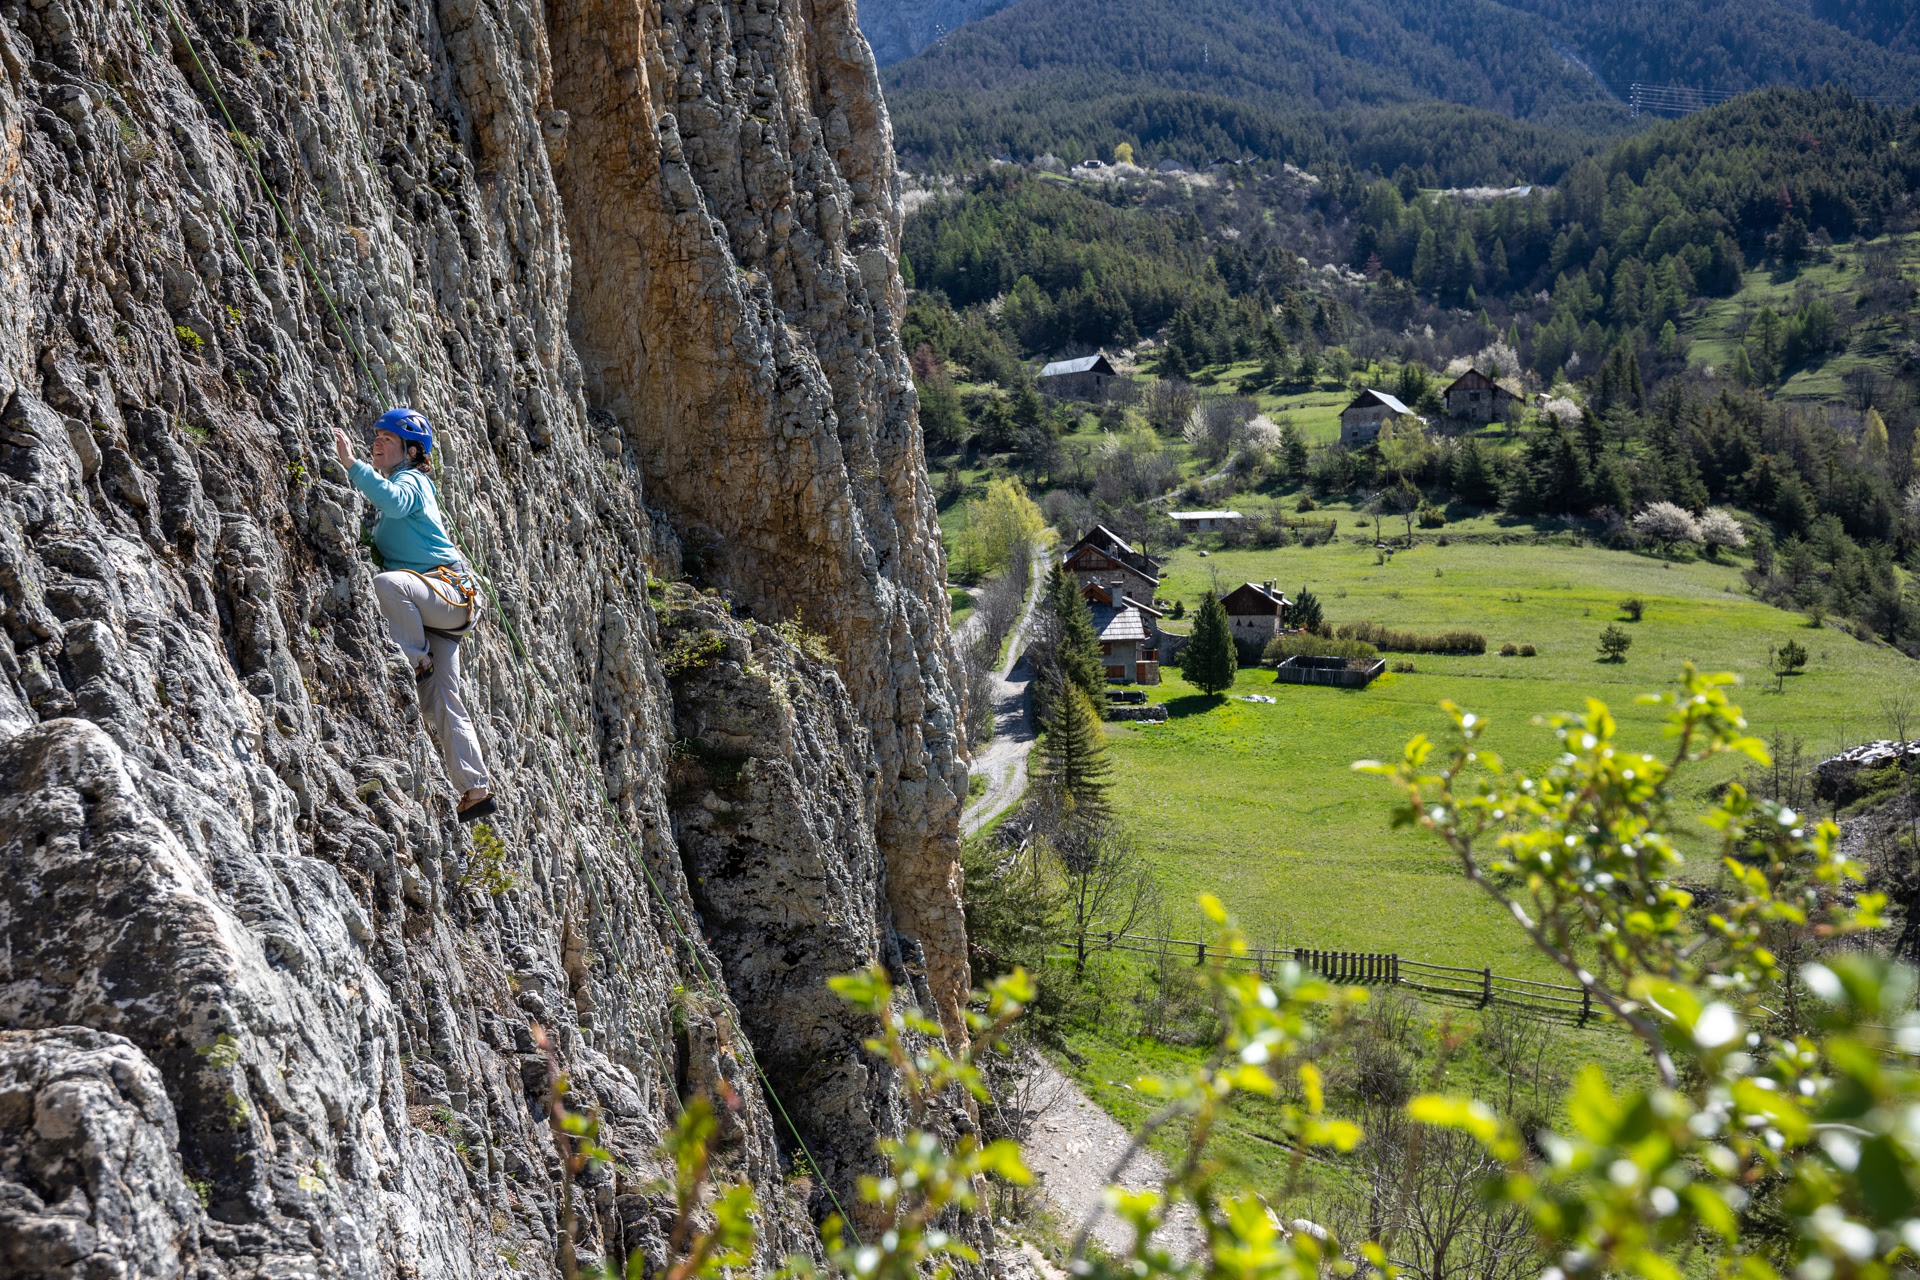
(482, 808)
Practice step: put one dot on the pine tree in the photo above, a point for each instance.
(1073, 756)
(1078, 653)
(1305, 613)
(1210, 660)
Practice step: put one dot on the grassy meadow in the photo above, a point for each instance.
(1258, 803)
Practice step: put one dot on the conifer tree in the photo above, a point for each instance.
(1073, 756)
(1209, 660)
(1305, 613)
(1078, 650)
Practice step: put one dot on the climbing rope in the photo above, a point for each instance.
(523, 659)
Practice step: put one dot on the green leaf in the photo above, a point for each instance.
(1465, 1114)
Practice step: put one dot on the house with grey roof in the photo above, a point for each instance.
(1084, 379)
(1129, 634)
(1360, 422)
(1204, 521)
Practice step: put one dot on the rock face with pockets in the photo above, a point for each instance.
(265, 1007)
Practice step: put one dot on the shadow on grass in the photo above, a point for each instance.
(1193, 704)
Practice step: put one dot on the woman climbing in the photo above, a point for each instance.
(427, 593)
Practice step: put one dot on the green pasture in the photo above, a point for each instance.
(1258, 803)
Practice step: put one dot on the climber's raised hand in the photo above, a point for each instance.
(343, 446)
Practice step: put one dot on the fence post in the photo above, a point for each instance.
(1394, 959)
(1486, 987)
(1586, 1004)
(1199, 953)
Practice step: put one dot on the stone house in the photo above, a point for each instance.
(1129, 635)
(1360, 422)
(1104, 558)
(1256, 612)
(1475, 397)
(1084, 379)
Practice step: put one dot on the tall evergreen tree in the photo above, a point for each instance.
(1073, 757)
(1078, 649)
(1305, 612)
(1209, 660)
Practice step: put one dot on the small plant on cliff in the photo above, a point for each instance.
(694, 653)
(487, 865)
(796, 633)
(188, 338)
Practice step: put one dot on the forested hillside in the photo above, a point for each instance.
(1262, 289)
(1533, 81)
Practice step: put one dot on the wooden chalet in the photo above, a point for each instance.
(1360, 422)
(1475, 397)
(1103, 557)
(1256, 612)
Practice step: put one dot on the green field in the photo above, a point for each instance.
(1258, 803)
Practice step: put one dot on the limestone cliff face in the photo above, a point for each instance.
(264, 1007)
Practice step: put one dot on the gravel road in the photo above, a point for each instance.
(1004, 760)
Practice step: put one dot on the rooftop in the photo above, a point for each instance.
(1120, 624)
(1205, 515)
(1085, 364)
(1385, 399)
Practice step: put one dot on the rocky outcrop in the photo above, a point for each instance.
(264, 1007)
(1841, 779)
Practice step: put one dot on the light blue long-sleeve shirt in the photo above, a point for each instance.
(409, 533)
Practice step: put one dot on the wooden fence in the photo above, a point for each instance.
(1339, 672)
(1480, 988)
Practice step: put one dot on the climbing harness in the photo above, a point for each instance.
(516, 647)
(457, 588)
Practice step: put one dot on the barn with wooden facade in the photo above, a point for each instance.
(1475, 397)
(1256, 611)
(1104, 557)
(1360, 422)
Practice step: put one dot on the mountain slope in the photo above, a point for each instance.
(1261, 75)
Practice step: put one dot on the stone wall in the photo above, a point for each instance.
(637, 263)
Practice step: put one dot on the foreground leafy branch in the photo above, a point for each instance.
(1763, 1151)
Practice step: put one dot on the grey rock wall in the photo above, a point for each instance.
(265, 1008)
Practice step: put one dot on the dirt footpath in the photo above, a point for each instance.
(1072, 1147)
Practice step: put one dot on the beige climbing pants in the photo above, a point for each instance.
(411, 605)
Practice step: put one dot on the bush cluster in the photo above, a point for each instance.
(1412, 641)
(1280, 648)
(1512, 650)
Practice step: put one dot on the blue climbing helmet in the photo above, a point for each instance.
(410, 425)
